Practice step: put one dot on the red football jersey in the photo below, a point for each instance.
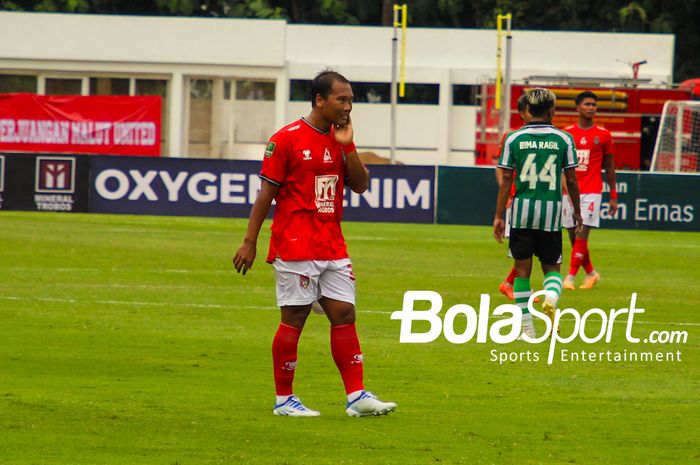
(308, 165)
(592, 145)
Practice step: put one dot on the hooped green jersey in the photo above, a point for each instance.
(538, 153)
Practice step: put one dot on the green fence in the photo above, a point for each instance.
(667, 202)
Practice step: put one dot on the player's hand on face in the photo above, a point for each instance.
(499, 228)
(612, 207)
(244, 258)
(578, 223)
(344, 134)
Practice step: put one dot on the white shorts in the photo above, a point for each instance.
(590, 210)
(304, 281)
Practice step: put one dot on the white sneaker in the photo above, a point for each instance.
(529, 331)
(367, 404)
(293, 407)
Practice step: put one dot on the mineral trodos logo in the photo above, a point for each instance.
(325, 193)
(55, 175)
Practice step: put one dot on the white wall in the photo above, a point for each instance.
(364, 53)
(142, 39)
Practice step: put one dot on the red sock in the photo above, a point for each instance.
(578, 253)
(587, 264)
(284, 358)
(345, 347)
(511, 277)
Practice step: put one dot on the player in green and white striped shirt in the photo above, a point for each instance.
(534, 157)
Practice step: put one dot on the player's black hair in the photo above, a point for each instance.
(585, 94)
(522, 103)
(323, 83)
(540, 101)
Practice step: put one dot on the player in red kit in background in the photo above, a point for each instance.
(594, 148)
(305, 168)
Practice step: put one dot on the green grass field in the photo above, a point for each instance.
(131, 340)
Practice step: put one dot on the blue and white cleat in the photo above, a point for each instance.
(293, 407)
(367, 404)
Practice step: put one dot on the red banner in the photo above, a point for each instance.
(110, 125)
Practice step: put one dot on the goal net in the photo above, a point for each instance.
(677, 148)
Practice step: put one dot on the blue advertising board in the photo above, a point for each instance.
(228, 188)
(172, 186)
(396, 193)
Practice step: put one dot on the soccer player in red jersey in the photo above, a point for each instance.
(594, 148)
(305, 169)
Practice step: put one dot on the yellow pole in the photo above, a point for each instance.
(402, 24)
(499, 72)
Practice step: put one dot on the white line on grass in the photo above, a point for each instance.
(92, 270)
(258, 307)
(126, 302)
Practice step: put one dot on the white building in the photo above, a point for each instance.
(227, 84)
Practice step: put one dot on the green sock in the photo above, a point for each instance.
(522, 292)
(553, 285)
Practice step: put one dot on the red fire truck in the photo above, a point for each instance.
(631, 114)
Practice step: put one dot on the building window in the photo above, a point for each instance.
(300, 90)
(10, 83)
(465, 94)
(58, 86)
(109, 86)
(426, 94)
(157, 87)
(372, 92)
(255, 90)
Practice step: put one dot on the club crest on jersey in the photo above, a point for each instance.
(307, 154)
(596, 140)
(327, 158)
(304, 281)
(325, 193)
(269, 149)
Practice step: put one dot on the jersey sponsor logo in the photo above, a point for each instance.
(327, 158)
(307, 154)
(55, 175)
(584, 157)
(269, 149)
(583, 140)
(304, 281)
(325, 193)
(294, 128)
